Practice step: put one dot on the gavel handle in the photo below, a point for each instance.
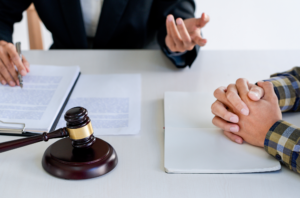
(6, 146)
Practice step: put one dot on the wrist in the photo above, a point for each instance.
(265, 133)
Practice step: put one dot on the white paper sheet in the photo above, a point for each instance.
(38, 103)
(194, 145)
(113, 102)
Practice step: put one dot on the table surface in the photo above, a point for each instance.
(140, 171)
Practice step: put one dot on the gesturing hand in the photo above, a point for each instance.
(186, 34)
(262, 114)
(8, 58)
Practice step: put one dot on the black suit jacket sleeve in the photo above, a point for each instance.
(181, 9)
(11, 12)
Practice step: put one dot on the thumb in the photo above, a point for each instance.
(268, 89)
(201, 22)
(255, 93)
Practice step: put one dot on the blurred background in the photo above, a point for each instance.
(234, 25)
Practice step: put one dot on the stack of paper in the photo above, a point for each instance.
(38, 104)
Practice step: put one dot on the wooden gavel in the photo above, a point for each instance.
(81, 156)
(79, 129)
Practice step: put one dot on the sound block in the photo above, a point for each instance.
(62, 160)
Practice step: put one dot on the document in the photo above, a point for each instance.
(38, 103)
(113, 102)
(194, 145)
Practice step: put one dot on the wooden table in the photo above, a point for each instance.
(140, 172)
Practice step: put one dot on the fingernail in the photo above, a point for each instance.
(245, 111)
(203, 43)
(234, 119)
(23, 72)
(238, 140)
(234, 129)
(170, 18)
(179, 22)
(12, 83)
(255, 94)
(3, 82)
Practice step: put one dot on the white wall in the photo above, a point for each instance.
(21, 34)
(234, 25)
(251, 24)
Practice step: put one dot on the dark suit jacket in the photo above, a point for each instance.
(123, 24)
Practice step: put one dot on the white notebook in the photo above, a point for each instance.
(194, 145)
(36, 106)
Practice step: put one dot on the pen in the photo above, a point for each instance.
(18, 46)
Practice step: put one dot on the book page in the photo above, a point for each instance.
(194, 145)
(38, 103)
(207, 150)
(188, 110)
(113, 102)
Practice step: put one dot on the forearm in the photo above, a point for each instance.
(181, 9)
(10, 12)
(283, 142)
(6, 32)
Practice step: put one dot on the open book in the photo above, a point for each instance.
(36, 108)
(194, 145)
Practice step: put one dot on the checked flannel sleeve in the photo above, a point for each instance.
(283, 139)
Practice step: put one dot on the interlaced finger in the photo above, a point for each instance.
(222, 124)
(234, 98)
(233, 137)
(220, 110)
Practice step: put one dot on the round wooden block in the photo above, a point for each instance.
(62, 160)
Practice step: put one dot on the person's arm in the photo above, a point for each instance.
(11, 12)
(283, 142)
(185, 55)
(283, 139)
(287, 89)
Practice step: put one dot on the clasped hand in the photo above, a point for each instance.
(246, 112)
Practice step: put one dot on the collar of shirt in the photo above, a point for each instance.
(91, 10)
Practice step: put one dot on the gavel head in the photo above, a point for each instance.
(79, 127)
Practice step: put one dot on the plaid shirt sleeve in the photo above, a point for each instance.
(283, 139)
(287, 89)
(283, 142)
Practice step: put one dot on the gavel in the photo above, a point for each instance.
(79, 129)
(80, 156)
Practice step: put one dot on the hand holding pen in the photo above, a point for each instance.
(9, 58)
